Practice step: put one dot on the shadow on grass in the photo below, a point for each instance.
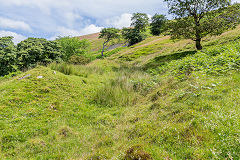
(162, 60)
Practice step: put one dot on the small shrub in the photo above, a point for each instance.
(78, 60)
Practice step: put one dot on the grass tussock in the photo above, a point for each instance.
(125, 89)
(64, 68)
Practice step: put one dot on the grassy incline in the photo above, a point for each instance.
(156, 100)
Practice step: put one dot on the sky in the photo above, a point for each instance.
(52, 18)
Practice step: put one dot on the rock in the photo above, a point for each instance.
(39, 77)
(24, 77)
(54, 72)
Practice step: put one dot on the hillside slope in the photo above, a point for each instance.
(159, 99)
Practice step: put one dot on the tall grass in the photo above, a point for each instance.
(77, 70)
(64, 68)
(125, 89)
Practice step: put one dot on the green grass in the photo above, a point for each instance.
(143, 51)
(114, 109)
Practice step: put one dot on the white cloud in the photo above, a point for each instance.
(17, 37)
(90, 29)
(92, 8)
(62, 31)
(12, 24)
(44, 16)
(120, 21)
(71, 17)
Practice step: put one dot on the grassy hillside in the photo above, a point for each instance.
(159, 99)
(96, 43)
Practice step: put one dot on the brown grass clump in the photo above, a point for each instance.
(137, 153)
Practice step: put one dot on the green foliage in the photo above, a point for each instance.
(215, 61)
(158, 24)
(138, 32)
(140, 21)
(183, 8)
(108, 34)
(54, 117)
(37, 50)
(78, 60)
(133, 36)
(8, 56)
(73, 46)
(194, 19)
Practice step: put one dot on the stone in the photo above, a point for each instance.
(24, 77)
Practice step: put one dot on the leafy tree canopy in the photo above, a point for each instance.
(140, 21)
(158, 24)
(7, 56)
(133, 36)
(197, 18)
(71, 46)
(37, 50)
(108, 34)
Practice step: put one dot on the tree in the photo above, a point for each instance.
(158, 24)
(133, 36)
(73, 46)
(140, 21)
(37, 50)
(197, 18)
(8, 55)
(108, 34)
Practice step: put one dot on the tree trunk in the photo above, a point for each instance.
(198, 32)
(103, 49)
(198, 44)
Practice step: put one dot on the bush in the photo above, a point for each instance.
(37, 50)
(8, 56)
(73, 46)
(78, 60)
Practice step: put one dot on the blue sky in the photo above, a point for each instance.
(52, 18)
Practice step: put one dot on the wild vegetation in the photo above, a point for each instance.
(156, 99)
(196, 19)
